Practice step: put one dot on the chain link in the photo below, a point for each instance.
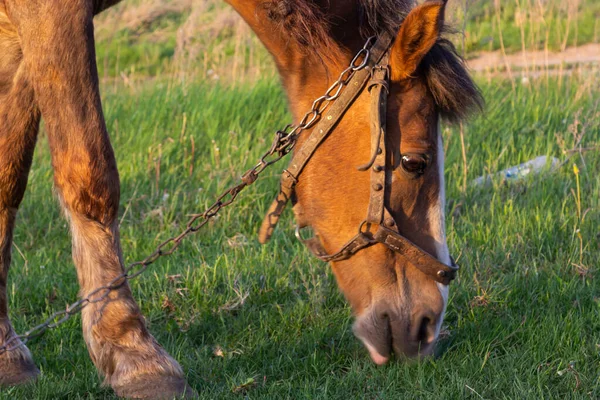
(283, 143)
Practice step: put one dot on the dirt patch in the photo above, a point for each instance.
(495, 61)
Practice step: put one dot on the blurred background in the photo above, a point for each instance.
(206, 38)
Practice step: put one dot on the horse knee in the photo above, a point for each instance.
(93, 195)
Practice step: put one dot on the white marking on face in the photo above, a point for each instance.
(437, 223)
(444, 290)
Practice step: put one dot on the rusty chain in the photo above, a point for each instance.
(282, 145)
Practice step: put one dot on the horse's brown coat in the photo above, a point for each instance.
(47, 68)
(57, 76)
(396, 306)
(19, 120)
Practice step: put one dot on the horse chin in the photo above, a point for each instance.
(375, 356)
(400, 352)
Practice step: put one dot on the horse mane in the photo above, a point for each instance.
(308, 24)
(376, 16)
(302, 20)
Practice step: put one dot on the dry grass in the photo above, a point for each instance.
(141, 16)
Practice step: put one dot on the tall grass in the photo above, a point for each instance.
(203, 39)
(207, 39)
(530, 24)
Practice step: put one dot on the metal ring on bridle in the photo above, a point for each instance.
(366, 54)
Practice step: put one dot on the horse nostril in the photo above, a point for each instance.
(425, 329)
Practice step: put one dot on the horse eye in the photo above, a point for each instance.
(415, 164)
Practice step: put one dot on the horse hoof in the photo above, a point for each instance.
(17, 371)
(152, 387)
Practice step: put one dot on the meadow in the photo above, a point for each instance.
(252, 321)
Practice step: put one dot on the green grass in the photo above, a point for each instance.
(522, 322)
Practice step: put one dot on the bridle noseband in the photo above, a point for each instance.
(379, 225)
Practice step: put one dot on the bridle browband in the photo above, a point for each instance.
(379, 225)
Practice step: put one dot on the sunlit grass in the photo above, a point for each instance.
(268, 321)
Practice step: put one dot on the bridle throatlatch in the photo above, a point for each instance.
(379, 227)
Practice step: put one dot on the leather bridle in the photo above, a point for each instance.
(379, 225)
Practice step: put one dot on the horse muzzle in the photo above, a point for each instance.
(384, 331)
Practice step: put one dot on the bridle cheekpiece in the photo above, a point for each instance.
(379, 227)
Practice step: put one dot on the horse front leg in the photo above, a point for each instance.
(58, 51)
(19, 122)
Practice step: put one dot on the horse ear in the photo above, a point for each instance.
(419, 32)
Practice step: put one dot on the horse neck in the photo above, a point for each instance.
(314, 69)
(306, 69)
(311, 76)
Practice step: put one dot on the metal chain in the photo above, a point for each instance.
(283, 143)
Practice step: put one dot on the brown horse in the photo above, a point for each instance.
(47, 69)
